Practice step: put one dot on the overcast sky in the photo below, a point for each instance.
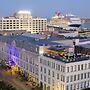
(46, 8)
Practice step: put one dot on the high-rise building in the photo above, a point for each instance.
(23, 20)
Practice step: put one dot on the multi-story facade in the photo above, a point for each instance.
(46, 62)
(23, 20)
(59, 75)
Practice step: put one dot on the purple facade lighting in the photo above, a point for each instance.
(13, 53)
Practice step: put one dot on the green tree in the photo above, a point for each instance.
(3, 63)
(38, 87)
(5, 86)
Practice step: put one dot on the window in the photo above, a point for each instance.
(48, 80)
(85, 84)
(88, 65)
(71, 68)
(48, 88)
(67, 69)
(78, 86)
(41, 69)
(45, 62)
(44, 70)
(71, 78)
(74, 77)
(49, 64)
(62, 78)
(88, 75)
(78, 76)
(81, 84)
(45, 78)
(82, 76)
(57, 75)
(44, 86)
(58, 67)
(88, 83)
(78, 67)
(41, 76)
(40, 60)
(67, 87)
(53, 65)
(48, 72)
(75, 68)
(53, 74)
(71, 87)
(10, 20)
(2, 49)
(81, 66)
(53, 82)
(85, 66)
(67, 79)
(26, 66)
(63, 69)
(74, 87)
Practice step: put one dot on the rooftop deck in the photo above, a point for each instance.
(69, 59)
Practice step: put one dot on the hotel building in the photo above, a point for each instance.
(46, 62)
(23, 20)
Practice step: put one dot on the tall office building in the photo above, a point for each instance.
(23, 20)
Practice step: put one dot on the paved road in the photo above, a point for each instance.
(12, 80)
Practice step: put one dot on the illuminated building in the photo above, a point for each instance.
(23, 20)
(47, 62)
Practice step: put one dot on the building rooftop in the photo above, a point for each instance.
(24, 12)
(85, 45)
(68, 59)
(25, 42)
(62, 54)
(85, 40)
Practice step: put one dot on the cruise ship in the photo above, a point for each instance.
(68, 20)
(74, 20)
(59, 20)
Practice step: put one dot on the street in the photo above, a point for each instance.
(13, 81)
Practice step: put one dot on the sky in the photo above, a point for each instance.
(46, 8)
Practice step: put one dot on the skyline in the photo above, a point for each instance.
(46, 8)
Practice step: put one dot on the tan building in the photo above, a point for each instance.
(23, 20)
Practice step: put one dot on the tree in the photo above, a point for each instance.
(38, 87)
(5, 86)
(3, 63)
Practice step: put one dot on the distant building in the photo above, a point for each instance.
(22, 20)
